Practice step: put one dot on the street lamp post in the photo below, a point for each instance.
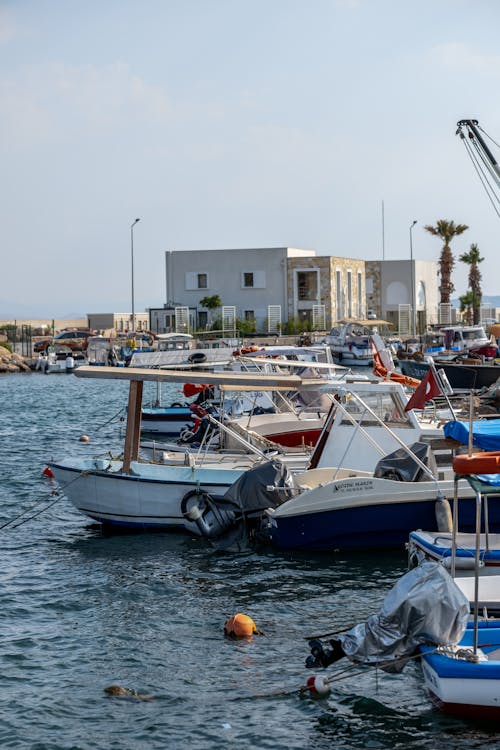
(132, 262)
(412, 282)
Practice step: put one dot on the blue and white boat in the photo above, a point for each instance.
(464, 678)
(455, 550)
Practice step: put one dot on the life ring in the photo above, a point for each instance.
(477, 463)
(197, 357)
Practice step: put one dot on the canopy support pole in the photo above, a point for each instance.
(133, 431)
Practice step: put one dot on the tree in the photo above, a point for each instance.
(466, 301)
(473, 259)
(446, 230)
(211, 303)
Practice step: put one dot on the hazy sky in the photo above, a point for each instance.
(234, 123)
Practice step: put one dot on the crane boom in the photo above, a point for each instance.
(482, 158)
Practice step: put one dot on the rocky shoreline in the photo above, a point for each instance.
(10, 362)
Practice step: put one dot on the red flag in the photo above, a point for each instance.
(427, 389)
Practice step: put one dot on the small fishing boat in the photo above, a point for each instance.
(58, 359)
(464, 678)
(134, 493)
(456, 551)
(350, 341)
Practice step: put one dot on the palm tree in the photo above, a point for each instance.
(211, 303)
(466, 302)
(446, 230)
(473, 259)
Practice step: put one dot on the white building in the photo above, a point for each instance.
(409, 286)
(250, 279)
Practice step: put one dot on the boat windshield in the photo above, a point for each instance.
(384, 405)
(473, 334)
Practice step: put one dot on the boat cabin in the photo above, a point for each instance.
(168, 342)
(464, 338)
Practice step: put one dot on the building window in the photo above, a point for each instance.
(349, 294)
(202, 320)
(338, 294)
(249, 315)
(253, 279)
(360, 296)
(196, 280)
(307, 285)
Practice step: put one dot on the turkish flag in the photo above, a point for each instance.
(427, 389)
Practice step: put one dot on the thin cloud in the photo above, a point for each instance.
(54, 101)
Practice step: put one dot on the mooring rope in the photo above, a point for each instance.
(59, 494)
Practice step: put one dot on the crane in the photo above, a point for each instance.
(473, 137)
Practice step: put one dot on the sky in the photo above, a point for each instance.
(320, 124)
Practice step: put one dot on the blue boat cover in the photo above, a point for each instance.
(485, 433)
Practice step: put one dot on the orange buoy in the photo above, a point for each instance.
(240, 626)
(487, 462)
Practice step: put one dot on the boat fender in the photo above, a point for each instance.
(487, 462)
(462, 563)
(47, 472)
(318, 685)
(442, 509)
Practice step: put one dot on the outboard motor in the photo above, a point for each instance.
(237, 516)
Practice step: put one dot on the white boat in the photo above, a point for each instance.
(378, 499)
(350, 341)
(58, 359)
(464, 678)
(129, 492)
(146, 496)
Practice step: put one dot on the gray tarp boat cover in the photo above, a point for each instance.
(424, 607)
(251, 492)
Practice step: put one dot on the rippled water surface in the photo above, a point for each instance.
(81, 611)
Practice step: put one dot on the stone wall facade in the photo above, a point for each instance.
(339, 285)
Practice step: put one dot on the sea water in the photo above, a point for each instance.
(82, 610)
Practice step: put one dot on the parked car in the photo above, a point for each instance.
(76, 340)
(41, 345)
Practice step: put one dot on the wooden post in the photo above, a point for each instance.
(133, 431)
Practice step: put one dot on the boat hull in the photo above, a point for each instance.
(360, 512)
(462, 687)
(460, 376)
(166, 420)
(439, 547)
(149, 497)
